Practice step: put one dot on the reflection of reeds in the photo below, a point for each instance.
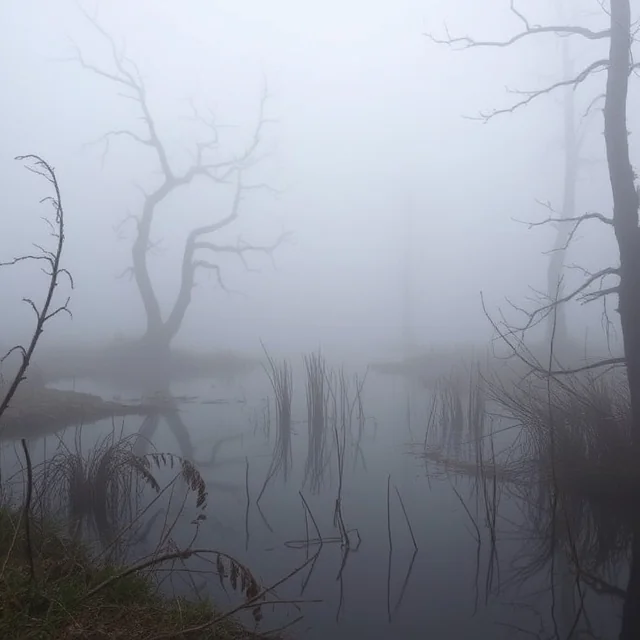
(390, 539)
(281, 379)
(333, 401)
(574, 449)
(570, 466)
(446, 421)
(317, 400)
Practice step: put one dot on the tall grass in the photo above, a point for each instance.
(579, 427)
(317, 395)
(281, 379)
(456, 424)
(77, 495)
(569, 464)
(99, 493)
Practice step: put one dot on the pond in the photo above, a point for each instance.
(426, 557)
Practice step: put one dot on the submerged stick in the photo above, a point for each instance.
(406, 516)
(390, 548)
(246, 514)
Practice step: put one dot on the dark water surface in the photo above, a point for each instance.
(452, 587)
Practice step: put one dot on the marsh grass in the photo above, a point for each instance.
(582, 498)
(579, 428)
(317, 395)
(575, 427)
(569, 464)
(61, 585)
(69, 600)
(281, 378)
(99, 493)
(457, 418)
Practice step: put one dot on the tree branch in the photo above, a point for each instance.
(466, 42)
(534, 317)
(577, 221)
(531, 362)
(532, 95)
(240, 248)
(43, 315)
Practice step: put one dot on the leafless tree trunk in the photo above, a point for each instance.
(43, 314)
(618, 67)
(52, 260)
(624, 222)
(625, 199)
(199, 252)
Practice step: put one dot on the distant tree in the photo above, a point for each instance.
(199, 250)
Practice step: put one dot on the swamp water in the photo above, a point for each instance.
(476, 572)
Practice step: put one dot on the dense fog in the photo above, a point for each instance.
(401, 207)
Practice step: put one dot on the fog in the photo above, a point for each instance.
(347, 195)
(371, 134)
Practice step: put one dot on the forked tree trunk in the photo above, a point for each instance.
(625, 199)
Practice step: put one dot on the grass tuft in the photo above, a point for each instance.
(58, 606)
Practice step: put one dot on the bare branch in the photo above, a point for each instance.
(598, 65)
(19, 348)
(214, 268)
(106, 138)
(133, 82)
(466, 42)
(591, 106)
(43, 315)
(541, 312)
(241, 248)
(577, 221)
(508, 338)
(14, 261)
(118, 228)
(594, 295)
(126, 272)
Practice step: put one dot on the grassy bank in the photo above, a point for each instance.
(65, 597)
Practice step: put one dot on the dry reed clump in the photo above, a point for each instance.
(317, 416)
(457, 418)
(576, 428)
(281, 378)
(572, 429)
(103, 487)
(81, 587)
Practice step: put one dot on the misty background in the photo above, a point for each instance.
(369, 147)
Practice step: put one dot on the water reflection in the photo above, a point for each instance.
(503, 553)
(173, 420)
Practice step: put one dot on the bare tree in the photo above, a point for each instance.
(199, 252)
(51, 267)
(618, 67)
(47, 311)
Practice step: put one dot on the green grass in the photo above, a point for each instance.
(58, 603)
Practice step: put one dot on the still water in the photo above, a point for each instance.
(455, 585)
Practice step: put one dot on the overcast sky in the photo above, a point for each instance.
(369, 133)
